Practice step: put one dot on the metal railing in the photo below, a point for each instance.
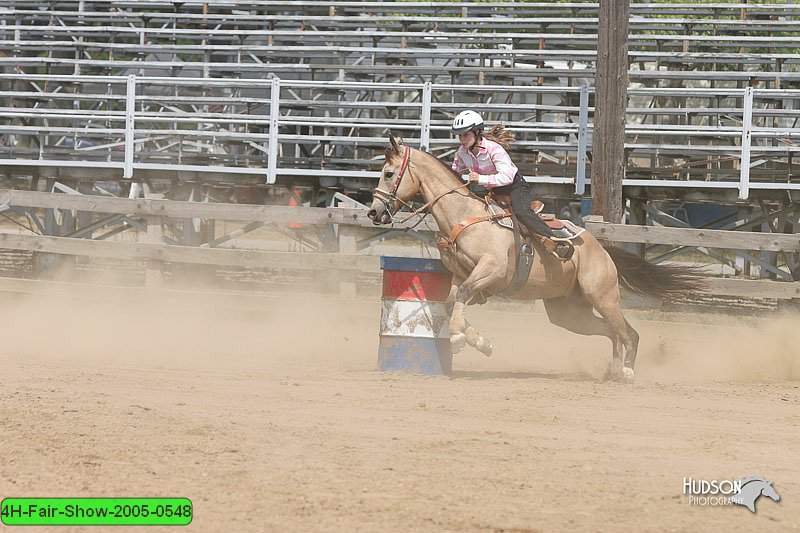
(317, 129)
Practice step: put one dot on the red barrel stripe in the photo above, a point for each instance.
(417, 286)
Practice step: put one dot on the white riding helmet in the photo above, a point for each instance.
(466, 121)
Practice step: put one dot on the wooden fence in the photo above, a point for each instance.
(155, 251)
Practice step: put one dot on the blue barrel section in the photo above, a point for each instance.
(414, 335)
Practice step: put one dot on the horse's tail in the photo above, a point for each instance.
(658, 281)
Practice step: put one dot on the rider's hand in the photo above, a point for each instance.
(473, 177)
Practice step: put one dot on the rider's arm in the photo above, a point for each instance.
(505, 168)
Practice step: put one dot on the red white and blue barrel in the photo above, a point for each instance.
(414, 334)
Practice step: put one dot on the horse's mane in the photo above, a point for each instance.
(453, 173)
(391, 152)
(444, 165)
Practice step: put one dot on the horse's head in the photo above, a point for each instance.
(397, 185)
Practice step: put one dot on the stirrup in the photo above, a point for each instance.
(564, 250)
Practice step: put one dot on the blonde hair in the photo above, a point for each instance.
(499, 134)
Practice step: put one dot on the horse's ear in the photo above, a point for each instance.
(395, 143)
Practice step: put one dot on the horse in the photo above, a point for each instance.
(483, 260)
(752, 488)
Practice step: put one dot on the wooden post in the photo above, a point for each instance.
(637, 216)
(348, 244)
(742, 264)
(85, 218)
(47, 265)
(768, 256)
(153, 276)
(795, 257)
(794, 261)
(608, 168)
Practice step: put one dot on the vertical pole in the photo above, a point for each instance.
(583, 141)
(153, 276)
(742, 265)
(425, 133)
(141, 43)
(272, 149)
(191, 226)
(130, 107)
(608, 165)
(637, 216)
(768, 257)
(78, 49)
(85, 218)
(50, 225)
(794, 257)
(47, 264)
(747, 134)
(348, 244)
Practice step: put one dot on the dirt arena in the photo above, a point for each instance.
(268, 413)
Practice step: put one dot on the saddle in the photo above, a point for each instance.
(560, 247)
(566, 230)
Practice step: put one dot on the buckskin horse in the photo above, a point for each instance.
(483, 260)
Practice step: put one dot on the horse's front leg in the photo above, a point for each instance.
(485, 273)
(456, 326)
(459, 327)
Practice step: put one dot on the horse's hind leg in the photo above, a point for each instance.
(607, 304)
(630, 353)
(575, 314)
(617, 366)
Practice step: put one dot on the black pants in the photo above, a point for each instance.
(520, 193)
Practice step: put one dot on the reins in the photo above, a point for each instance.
(455, 231)
(392, 196)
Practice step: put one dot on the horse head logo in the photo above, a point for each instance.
(752, 488)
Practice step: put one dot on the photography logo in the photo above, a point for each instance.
(745, 491)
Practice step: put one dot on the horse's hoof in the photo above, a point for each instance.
(628, 374)
(457, 342)
(614, 372)
(484, 346)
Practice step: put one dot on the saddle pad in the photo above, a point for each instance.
(495, 209)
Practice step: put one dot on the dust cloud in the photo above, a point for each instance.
(267, 412)
(133, 326)
(744, 352)
(204, 326)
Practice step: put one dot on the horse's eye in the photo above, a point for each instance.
(389, 174)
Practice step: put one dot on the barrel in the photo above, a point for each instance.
(414, 333)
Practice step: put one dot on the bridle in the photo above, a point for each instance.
(391, 196)
(388, 197)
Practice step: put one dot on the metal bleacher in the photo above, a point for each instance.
(301, 93)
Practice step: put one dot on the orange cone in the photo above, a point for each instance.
(292, 202)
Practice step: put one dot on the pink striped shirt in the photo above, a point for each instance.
(492, 163)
